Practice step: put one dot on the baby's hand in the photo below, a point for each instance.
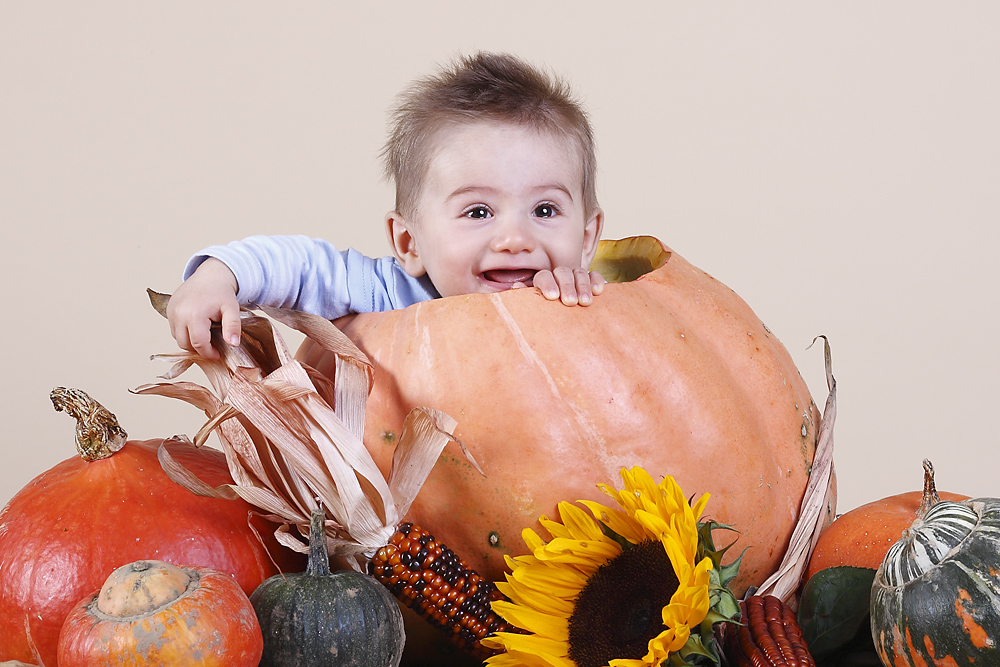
(571, 286)
(207, 296)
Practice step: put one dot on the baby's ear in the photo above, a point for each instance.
(404, 244)
(591, 236)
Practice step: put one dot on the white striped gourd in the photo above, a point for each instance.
(936, 596)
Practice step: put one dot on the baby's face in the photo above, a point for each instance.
(499, 202)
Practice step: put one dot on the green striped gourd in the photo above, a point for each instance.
(936, 596)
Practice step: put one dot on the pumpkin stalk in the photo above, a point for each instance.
(319, 555)
(98, 434)
(930, 497)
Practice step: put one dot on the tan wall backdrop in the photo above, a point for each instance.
(837, 164)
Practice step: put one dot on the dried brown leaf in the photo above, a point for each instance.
(812, 514)
(425, 434)
(187, 479)
(291, 438)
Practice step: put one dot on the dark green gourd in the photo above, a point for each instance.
(322, 618)
(935, 597)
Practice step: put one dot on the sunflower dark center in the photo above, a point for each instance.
(619, 610)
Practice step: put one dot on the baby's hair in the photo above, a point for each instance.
(484, 87)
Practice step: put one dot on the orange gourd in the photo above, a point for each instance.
(71, 526)
(862, 536)
(151, 613)
(668, 369)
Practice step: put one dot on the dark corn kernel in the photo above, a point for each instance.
(767, 635)
(430, 579)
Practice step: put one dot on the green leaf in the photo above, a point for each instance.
(622, 542)
(834, 606)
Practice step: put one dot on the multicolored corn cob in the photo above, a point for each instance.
(429, 578)
(768, 635)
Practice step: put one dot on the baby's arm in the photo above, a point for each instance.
(294, 272)
(571, 286)
(207, 296)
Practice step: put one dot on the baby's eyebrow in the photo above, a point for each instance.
(553, 186)
(489, 190)
(485, 189)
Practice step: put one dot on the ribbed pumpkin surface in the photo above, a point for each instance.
(936, 596)
(669, 370)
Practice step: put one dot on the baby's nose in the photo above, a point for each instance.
(513, 235)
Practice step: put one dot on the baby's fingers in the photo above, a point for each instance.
(574, 286)
(200, 335)
(597, 282)
(546, 284)
(231, 323)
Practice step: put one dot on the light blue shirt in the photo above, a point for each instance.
(311, 275)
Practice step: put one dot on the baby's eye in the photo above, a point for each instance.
(477, 213)
(545, 211)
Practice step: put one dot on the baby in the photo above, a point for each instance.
(494, 169)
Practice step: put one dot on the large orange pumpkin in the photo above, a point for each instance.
(71, 526)
(669, 370)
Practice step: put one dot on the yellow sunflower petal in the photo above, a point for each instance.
(554, 528)
(514, 658)
(532, 539)
(532, 644)
(637, 479)
(544, 602)
(502, 659)
(668, 641)
(565, 581)
(679, 558)
(618, 521)
(536, 622)
(653, 523)
(540, 660)
(611, 491)
(581, 525)
(587, 555)
(514, 562)
(699, 506)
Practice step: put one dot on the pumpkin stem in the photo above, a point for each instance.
(319, 556)
(930, 497)
(98, 434)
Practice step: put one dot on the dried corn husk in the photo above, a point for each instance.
(784, 583)
(292, 438)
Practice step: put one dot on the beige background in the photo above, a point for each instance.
(837, 164)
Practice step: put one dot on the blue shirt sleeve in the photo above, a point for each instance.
(312, 275)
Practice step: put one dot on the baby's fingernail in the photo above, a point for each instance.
(234, 340)
(584, 299)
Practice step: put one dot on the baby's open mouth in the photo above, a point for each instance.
(509, 276)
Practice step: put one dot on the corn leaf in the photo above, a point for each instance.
(812, 513)
(292, 438)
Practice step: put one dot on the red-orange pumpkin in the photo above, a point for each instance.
(152, 613)
(669, 370)
(70, 527)
(862, 536)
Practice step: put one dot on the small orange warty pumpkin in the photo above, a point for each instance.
(668, 369)
(152, 613)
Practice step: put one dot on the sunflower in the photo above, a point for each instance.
(634, 586)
